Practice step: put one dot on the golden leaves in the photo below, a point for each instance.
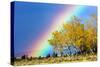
(76, 33)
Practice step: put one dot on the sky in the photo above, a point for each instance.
(34, 23)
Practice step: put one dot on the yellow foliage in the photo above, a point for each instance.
(75, 33)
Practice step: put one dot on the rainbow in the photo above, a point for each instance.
(42, 46)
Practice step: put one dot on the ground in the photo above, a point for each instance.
(50, 60)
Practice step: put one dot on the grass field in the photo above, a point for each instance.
(50, 60)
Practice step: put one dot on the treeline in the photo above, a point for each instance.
(25, 57)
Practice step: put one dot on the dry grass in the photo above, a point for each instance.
(51, 60)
